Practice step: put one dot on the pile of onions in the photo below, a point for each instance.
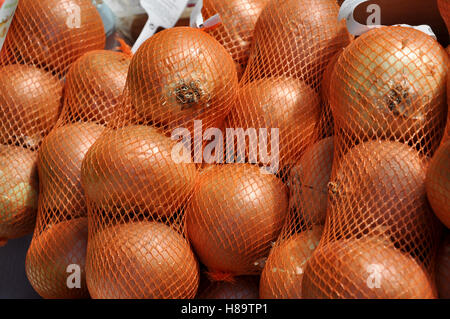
(180, 75)
(54, 255)
(60, 159)
(143, 260)
(438, 183)
(390, 83)
(364, 268)
(94, 85)
(54, 33)
(235, 214)
(133, 168)
(18, 191)
(282, 103)
(308, 182)
(30, 100)
(283, 273)
(238, 24)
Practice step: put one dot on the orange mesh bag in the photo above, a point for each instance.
(296, 39)
(138, 181)
(380, 235)
(443, 268)
(52, 34)
(94, 85)
(444, 9)
(237, 211)
(438, 183)
(238, 23)
(242, 287)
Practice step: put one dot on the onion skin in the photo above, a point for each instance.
(242, 287)
(182, 74)
(438, 183)
(283, 273)
(296, 39)
(18, 191)
(41, 32)
(379, 186)
(132, 168)
(60, 159)
(390, 83)
(94, 85)
(145, 260)
(308, 182)
(238, 24)
(30, 100)
(49, 255)
(443, 269)
(234, 215)
(284, 103)
(354, 269)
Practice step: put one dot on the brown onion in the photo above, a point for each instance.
(141, 260)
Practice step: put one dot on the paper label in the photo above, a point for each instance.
(374, 20)
(197, 20)
(7, 10)
(161, 13)
(125, 8)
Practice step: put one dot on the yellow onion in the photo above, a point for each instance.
(18, 191)
(30, 99)
(283, 273)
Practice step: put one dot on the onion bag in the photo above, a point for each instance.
(93, 89)
(44, 39)
(389, 106)
(238, 24)
(140, 175)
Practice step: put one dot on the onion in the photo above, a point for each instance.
(443, 269)
(438, 183)
(379, 187)
(94, 85)
(50, 255)
(282, 103)
(308, 182)
(234, 215)
(390, 84)
(18, 191)
(238, 24)
(30, 100)
(141, 260)
(283, 273)
(242, 287)
(54, 33)
(182, 74)
(296, 38)
(133, 168)
(60, 158)
(365, 268)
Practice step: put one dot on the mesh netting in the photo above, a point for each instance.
(138, 180)
(44, 39)
(93, 87)
(443, 268)
(238, 23)
(242, 287)
(389, 106)
(438, 183)
(444, 9)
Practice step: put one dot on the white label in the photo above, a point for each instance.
(125, 8)
(7, 10)
(161, 13)
(197, 20)
(373, 21)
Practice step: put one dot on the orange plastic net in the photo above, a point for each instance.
(444, 9)
(45, 37)
(389, 106)
(238, 24)
(242, 287)
(443, 268)
(93, 89)
(138, 180)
